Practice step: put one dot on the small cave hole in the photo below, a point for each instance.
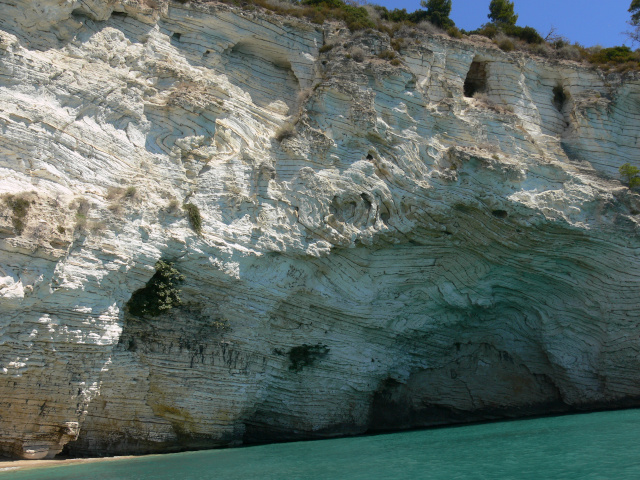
(119, 14)
(559, 97)
(367, 200)
(476, 81)
(369, 156)
(500, 213)
(176, 36)
(79, 12)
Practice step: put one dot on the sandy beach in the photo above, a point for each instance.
(7, 464)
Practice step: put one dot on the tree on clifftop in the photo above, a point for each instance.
(501, 11)
(438, 12)
(634, 10)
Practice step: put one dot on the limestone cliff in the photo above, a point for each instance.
(380, 248)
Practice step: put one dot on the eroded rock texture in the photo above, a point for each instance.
(404, 255)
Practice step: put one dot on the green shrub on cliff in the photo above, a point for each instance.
(195, 219)
(437, 13)
(631, 174)
(356, 17)
(614, 56)
(160, 294)
(19, 205)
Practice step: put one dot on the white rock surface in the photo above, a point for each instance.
(459, 258)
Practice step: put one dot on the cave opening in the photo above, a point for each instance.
(79, 12)
(476, 81)
(559, 97)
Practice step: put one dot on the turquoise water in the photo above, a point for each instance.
(603, 445)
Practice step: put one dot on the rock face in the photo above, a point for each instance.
(384, 245)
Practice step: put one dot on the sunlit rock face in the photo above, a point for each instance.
(384, 245)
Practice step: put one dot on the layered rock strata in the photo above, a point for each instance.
(383, 244)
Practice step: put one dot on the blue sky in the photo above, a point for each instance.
(589, 22)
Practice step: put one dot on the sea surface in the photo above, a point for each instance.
(603, 445)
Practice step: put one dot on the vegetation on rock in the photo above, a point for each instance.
(438, 12)
(355, 17)
(616, 56)
(285, 131)
(195, 219)
(19, 205)
(82, 207)
(160, 294)
(634, 10)
(433, 17)
(501, 12)
(305, 355)
(630, 174)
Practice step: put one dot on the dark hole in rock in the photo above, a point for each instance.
(369, 157)
(384, 216)
(500, 213)
(366, 200)
(120, 14)
(79, 12)
(176, 36)
(559, 97)
(476, 80)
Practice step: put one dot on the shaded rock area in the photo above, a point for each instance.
(376, 245)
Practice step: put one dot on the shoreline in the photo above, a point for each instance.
(10, 465)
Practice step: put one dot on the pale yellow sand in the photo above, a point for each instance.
(7, 464)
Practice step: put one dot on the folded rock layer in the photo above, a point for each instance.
(383, 244)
